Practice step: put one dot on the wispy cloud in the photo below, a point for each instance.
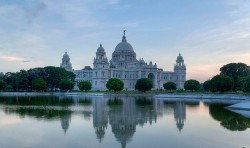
(11, 58)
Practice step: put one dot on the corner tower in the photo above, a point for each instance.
(66, 62)
(180, 72)
(100, 73)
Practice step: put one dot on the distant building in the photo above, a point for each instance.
(125, 66)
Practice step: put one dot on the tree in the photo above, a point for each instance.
(8, 88)
(66, 85)
(2, 85)
(36, 73)
(192, 85)
(206, 85)
(56, 74)
(39, 84)
(144, 84)
(115, 84)
(169, 86)
(235, 70)
(23, 79)
(240, 83)
(246, 86)
(221, 83)
(12, 79)
(85, 85)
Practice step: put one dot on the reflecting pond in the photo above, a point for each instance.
(120, 121)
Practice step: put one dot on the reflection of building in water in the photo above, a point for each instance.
(125, 118)
(123, 121)
(180, 114)
(65, 121)
(100, 117)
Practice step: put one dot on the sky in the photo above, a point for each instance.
(208, 33)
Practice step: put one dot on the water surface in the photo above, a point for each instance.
(115, 121)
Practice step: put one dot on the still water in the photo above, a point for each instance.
(119, 122)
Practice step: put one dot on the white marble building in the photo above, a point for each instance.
(125, 66)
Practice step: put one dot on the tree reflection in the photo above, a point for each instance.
(230, 120)
(114, 102)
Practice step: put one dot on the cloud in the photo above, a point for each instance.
(210, 47)
(33, 9)
(11, 58)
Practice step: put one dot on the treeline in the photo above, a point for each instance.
(48, 78)
(233, 77)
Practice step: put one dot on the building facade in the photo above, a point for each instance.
(125, 66)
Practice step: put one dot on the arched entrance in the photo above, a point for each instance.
(151, 76)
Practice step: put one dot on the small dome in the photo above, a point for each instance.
(100, 49)
(179, 57)
(65, 54)
(141, 61)
(124, 45)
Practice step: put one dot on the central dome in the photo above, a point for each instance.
(124, 46)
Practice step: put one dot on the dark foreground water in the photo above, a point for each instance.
(113, 122)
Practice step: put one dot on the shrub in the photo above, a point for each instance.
(115, 84)
(66, 84)
(144, 84)
(169, 86)
(192, 85)
(85, 85)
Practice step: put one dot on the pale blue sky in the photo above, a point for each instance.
(208, 33)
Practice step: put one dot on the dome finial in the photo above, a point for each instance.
(124, 37)
(100, 44)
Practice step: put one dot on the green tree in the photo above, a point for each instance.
(23, 80)
(144, 84)
(2, 85)
(39, 84)
(36, 73)
(56, 74)
(246, 86)
(1, 76)
(240, 83)
(85, 85)
(221, 83)
(13, 79)
(115, 84)
(66, 85)
(8, 88)
(169, 86)
(192, 85)
(235, 70)
(206, 85)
